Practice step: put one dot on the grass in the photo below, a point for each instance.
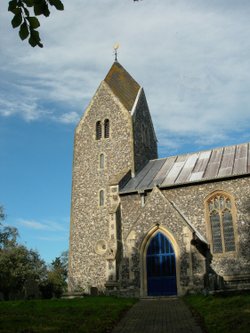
(88, 315)
(222, 314)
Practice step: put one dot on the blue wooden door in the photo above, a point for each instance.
(161, 268)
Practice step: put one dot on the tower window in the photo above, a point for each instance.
(221, 220)
(106, 128)
(101, 161)
(98, 130)
(101, 198)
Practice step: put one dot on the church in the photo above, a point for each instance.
(143, 226)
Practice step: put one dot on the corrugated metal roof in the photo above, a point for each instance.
(123, 85)
(190, 168)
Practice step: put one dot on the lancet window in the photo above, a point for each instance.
(102, 161)
(106, 128)
(101, 198)
(98, 130)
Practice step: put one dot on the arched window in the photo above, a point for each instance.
(221, 219)
(98, 130)
(106, 128)
(101, 161)
(101, 198)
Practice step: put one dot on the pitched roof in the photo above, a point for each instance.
(123, 85)
(202, 166)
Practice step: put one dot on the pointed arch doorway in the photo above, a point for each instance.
(161, 267)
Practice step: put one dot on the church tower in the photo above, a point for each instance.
(114, 139)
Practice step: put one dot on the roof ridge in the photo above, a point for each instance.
(201, 151)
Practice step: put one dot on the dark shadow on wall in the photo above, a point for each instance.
(212, 280)
(112, 284)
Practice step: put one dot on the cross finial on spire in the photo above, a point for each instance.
(116, 47)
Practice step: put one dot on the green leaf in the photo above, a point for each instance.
(46, 11)
(17, 20)
(34, 39)
(57, 3)
(35, 34)
(24, 31)
(29, 3)
(38, 8)
(12, 6)
(27, 13)
(41, 8)
(33, 21)
(16, 11)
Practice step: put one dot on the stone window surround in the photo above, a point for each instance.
(106, 128)
(102, 129)
(101, 198)
(208, 223)
(98, 130)
(102, 161)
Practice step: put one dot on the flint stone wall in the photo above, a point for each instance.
(190, 200)
(89, 221)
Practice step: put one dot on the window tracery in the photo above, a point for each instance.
(221, 220)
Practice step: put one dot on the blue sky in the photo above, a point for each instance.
(191, 57)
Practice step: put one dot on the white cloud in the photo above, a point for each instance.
(191, 57)
(28, 109)
(69, 118)
(32, 224)
(52, 239)
(44, 225)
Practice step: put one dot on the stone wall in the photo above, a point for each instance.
(95, 232)
(108, 242)
(90, 223)
(140, 216)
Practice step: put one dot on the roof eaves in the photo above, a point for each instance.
(190, 183)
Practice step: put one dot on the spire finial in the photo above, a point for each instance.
(116, 47)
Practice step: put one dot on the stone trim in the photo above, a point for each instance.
(208, 223)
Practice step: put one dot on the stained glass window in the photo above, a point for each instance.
(221, 223)
(228, 231)
(216, 232)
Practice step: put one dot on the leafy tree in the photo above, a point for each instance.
(17, 264)
(23, 274)
(25, 17)
(56, 282)
(8, 235)
(2, 215)
(57, 276)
